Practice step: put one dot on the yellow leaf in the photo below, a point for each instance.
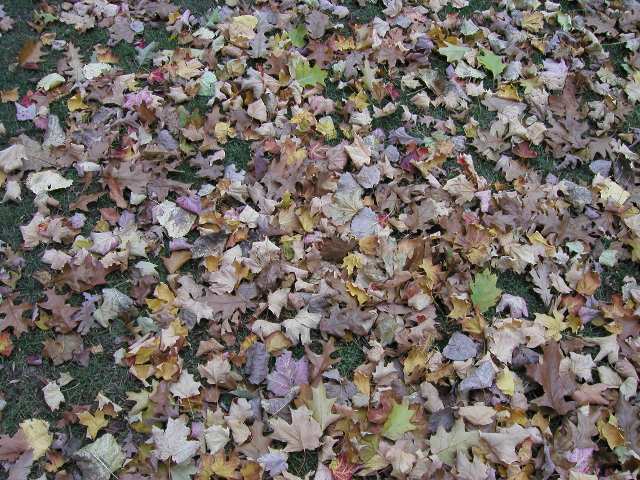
(351, 262)
(611, 432)
(505, 382)
(37, 434)
(94, 423)
(461, 307)
(75, 103)
(217, 465)
(361, 381)
(222, 131)
(357, 293)
(306, 219)
(326, 127)
(416, 359)
(554, 325)
(611, 191)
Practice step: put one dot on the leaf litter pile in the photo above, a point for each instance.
(309, 239)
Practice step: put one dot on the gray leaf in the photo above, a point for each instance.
(482, 377)
(460, 348)
(257, 363)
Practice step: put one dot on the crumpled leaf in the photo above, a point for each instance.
(460, 348)
(47, 181)
(52, 395)
(175, 220)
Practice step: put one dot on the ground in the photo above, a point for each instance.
(100, 374)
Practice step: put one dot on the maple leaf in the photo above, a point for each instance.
(297, 36)
(13, 316)
(453, 52)
(218, 465)
(303, 433)
(484, 293)
(93, 422)
(399, 421)
(554, 325)
(308, 76)
(556, 384)
(299, 327)
(226, 304)
(491, 62)
(172, 442)
(447, 445)
(287, 374)
(84, 276)
(321, 407)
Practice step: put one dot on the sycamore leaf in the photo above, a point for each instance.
(308, 76)
(484, 292)
(398, 422)
(491, 62)
(446, 445)
(303, 433)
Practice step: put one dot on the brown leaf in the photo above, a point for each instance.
(29, 55)
(13, 316)
(556, 385)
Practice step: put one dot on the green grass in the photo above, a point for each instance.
(351, 356)
(24, 397)
(612, 278)
(237, 152)
(519, 285)
(301, 463)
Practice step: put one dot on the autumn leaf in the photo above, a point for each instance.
(13, 316)
(448, 445)
(398, 422)
(453, 52)
(491, 62)
(555, 383)
(172, 442)
(6, 344)
(484, 292)
(303, 433)
(321, 407)
(308, 76)
(94, 422)
(30, 54)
